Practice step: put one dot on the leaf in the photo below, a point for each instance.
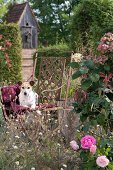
(89, 64)
(85, 84)
(94, 77)
(76, 75)
(111, 117)
(74, 65)
(110, 166)
(101, 119)
(83, 70)
(107, 67)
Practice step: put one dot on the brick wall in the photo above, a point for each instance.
(27, 63)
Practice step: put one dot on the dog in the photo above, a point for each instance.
(27, 97)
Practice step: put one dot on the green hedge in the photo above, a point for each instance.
(91, 20)
(52, 53)
(11, 32)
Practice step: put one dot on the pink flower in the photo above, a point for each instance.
(105, 47)
(74, 145)
(87, 142)
(93, 149)
(102, 161)
(99, 47)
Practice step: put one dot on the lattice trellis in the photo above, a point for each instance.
(50, 76)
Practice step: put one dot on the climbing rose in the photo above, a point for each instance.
(102, 161)
(87, 142)
(74, 145)
(93, 149)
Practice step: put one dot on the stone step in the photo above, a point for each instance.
(27, 62)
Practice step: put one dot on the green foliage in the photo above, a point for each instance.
(53, 17)
(92, 18)
(96, 81)
(11, 32)
(3, 8)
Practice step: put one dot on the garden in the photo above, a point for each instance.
(82, 138)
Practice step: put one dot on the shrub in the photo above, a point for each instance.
(92, 19)
(11, 33)
(97, 77)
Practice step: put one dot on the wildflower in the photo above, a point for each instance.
(64, 165)
(87, 142)
(102, 161)
(15, 147)
(17, 163)
(39, 112)
(74, 145)
(32, 168)
(40, 133)
(17, 137)
(93, 149)
(66, 125)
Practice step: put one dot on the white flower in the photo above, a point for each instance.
(15, 147)
(58, 131)
(40, 133)
(17, 137)
(58, 144)
(32, 168)
(64, 165)
(77, 57)
(39, 112)
(17, 163)
(78, 130)
(0, 47)
(66, 125)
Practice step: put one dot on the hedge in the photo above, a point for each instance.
(53, 53)
(11, 32)
(91, 20)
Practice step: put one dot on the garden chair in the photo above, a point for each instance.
(51, 72)
(49, 85)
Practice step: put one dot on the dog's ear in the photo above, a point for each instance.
(19, 83)
(31, 83)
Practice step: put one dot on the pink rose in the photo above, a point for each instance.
(105, 47)
(87, 142)
(93, 149)
(102, 161)
(74, 145)
(99, 47)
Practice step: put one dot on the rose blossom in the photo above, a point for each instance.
(93, 149)
(105, 47)
(87, 142)
(74, 145)
(102, 161)
(99, 47)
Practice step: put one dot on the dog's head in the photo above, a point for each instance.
(26, 87)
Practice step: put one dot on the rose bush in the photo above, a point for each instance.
(92, 153)
(95, 104)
